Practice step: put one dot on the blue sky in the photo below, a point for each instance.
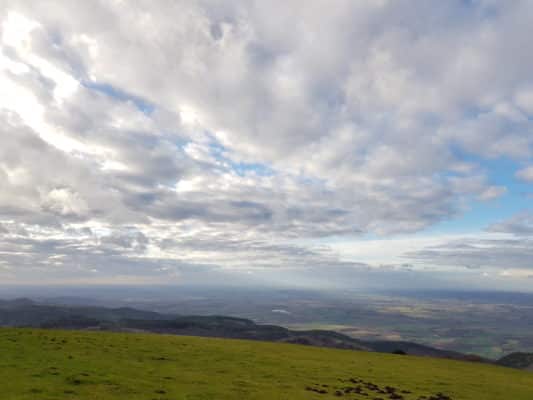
(480, 214)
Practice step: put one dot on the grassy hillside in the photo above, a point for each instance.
(55, 365)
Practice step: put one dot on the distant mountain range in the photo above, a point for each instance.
(27, 313)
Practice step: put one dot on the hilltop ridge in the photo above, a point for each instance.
(27, 313)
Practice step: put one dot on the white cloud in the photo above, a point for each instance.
(64, 202)
(238, 134)
(493, 192)
(525, 174)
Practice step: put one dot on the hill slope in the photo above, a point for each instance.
(49, 364)
(26, 313)
(517, 360)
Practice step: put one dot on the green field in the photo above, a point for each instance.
(55, 365)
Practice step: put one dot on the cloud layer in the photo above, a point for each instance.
(140, 140)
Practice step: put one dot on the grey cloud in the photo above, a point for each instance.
(519, 225)
(48, 185)
(270, 125)
(498, 254)
(525, 174)
(356, 121)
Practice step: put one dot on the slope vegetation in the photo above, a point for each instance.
(54, 365)
(26, 313)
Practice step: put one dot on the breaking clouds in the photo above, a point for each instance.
(174, 141)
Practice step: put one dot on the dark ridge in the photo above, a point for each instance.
(517, 360)
(26, 313)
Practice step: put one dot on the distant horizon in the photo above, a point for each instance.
(94, 292)
(488, 324)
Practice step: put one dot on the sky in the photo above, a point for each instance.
(344, 144)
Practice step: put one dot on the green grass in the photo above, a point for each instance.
(55, 365)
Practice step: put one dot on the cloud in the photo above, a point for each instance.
(235, 134)
(525, 174)
(504, 250)
(502, 254)
(493, 192)
(520, 225)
